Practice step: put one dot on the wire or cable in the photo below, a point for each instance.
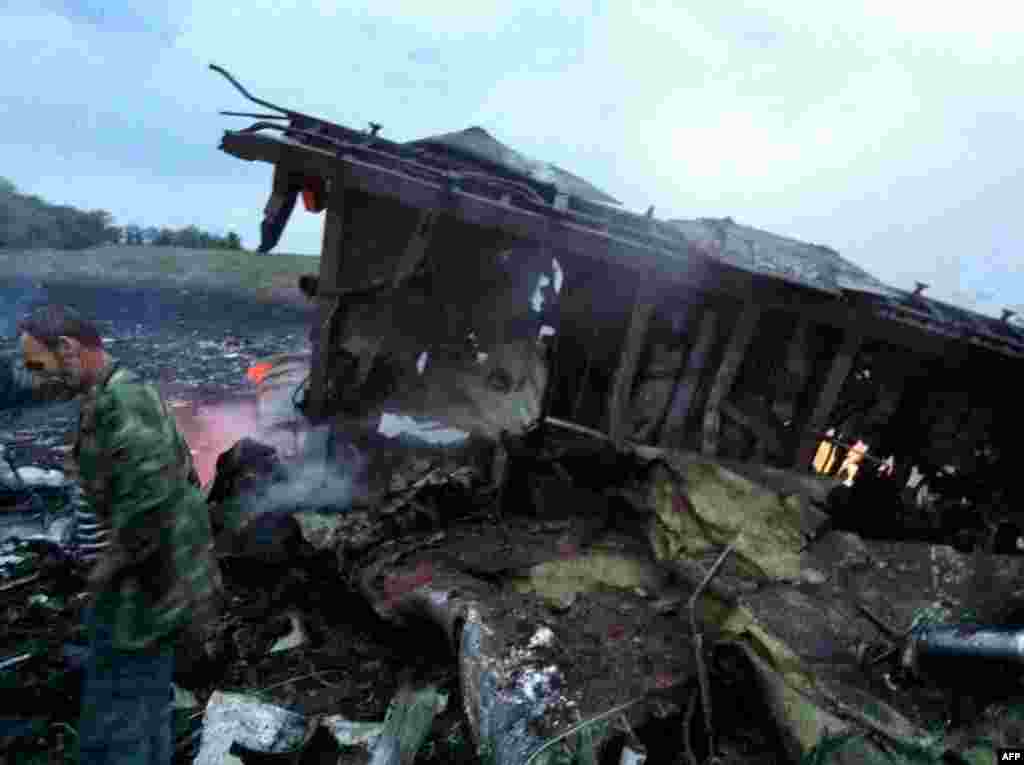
(253, 98)
(523, 188)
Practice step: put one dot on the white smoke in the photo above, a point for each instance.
(313, 480)
(315, 483)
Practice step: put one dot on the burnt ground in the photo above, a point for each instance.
(197, 344)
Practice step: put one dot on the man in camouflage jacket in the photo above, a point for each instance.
(158, 578)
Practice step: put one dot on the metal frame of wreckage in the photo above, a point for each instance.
(311, 147)
(315, 157)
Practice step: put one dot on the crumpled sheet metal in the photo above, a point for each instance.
(506, 698)
(458, 395)
(464, 398)
(481, 145)
(508, 695)
(234, 718)
(779, 257)
(268, 729)
(486, 370)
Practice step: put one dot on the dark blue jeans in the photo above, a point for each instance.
(126, 703)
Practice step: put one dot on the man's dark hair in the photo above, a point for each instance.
(50, 323)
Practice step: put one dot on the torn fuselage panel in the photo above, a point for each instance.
(479, 307)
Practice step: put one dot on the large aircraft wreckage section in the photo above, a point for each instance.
(456, 254)
(463, 283)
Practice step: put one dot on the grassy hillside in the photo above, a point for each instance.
(263, 275)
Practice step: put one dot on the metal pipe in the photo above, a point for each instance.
(950, 649)
(13, 661)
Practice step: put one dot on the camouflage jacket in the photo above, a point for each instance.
(160, 574)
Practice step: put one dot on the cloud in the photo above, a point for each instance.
(427, 56)
(41, 42)
(151, 19)
(889, 132)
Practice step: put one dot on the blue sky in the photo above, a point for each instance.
(891, 132)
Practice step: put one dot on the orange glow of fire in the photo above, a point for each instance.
(210, 430)
(258, 372)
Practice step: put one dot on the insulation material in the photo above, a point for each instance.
(700, 505)
(559, 581)
(794, 638)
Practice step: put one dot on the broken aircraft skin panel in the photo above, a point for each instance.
(427, 316)
(429, 354)
(478, 145)
(807, 265)
(471, 357)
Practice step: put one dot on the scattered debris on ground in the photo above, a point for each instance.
(538, 597)
(584, 616)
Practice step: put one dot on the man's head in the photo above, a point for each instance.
(57, 344)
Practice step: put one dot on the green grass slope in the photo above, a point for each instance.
(272, 276)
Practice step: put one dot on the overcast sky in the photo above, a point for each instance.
(891, 132)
